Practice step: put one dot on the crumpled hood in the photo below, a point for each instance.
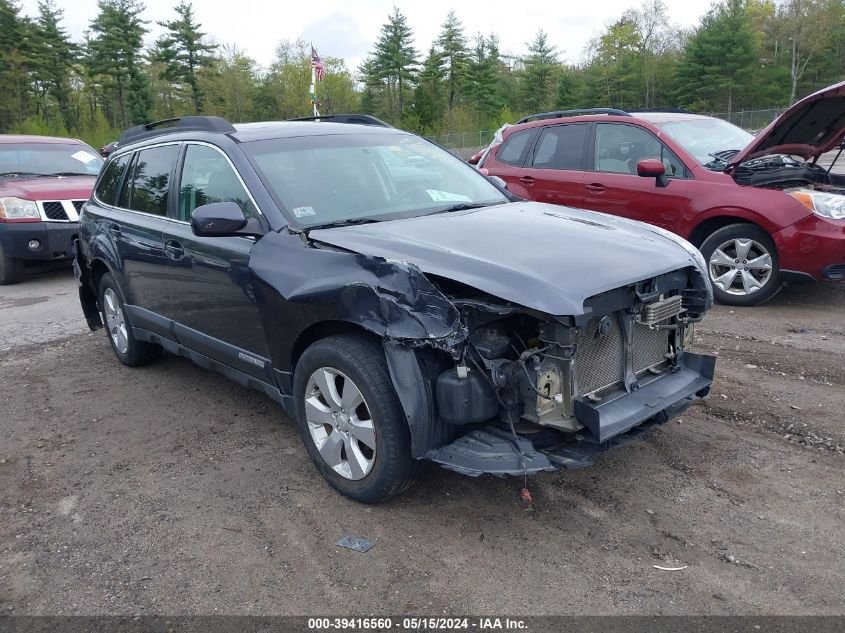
(541, 256)
(809, 128)
(62, 188)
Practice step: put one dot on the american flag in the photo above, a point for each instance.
(317, 64)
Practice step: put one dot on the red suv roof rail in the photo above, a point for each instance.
(564, 113)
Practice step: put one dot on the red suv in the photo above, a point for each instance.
(44, 182)
(762, 210)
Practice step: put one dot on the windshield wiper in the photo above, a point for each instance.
(72, 173)
(24, 173)
(346, 222)
(462, 206)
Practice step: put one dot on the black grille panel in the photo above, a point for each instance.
(54, 211)
(77, 204)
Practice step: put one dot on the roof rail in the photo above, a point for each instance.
(361, 119)
(668, 110)
(564, 113)
(177, 124)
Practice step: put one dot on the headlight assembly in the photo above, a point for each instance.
(18, 210)
(826, 205)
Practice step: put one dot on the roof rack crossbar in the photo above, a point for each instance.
(361, 119)
(177, 124)
(564, 113)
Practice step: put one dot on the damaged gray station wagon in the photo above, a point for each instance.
(398, 304)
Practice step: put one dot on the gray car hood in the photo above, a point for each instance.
(544, 257)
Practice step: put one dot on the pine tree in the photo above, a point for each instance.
(538, 74)
(183, 52)
(429, 98)
(453, 47)
(481, 78)
(394, 62)
(16, 54)
(114, 54)
(718, 66)
(54, 56)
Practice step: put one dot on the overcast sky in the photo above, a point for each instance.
(348, 29)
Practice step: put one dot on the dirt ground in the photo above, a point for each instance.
(168, 490)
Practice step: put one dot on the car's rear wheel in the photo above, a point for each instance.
(350, 419)
(11, 269)
(130, 351)
(742, 263)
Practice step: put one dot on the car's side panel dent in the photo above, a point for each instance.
(299, 286)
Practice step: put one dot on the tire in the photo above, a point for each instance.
(737, 256)
(11, 269)
(371, 473)
(129, 351)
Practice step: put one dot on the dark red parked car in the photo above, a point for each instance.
(761, 209)
(44, 181)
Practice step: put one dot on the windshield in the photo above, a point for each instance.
(48, 159)
(349, 178)
(704, 137)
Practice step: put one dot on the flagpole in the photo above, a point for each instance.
(314, 91)
(313, 85)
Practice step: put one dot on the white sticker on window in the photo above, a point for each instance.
(84, 157)
(444, 196)
(302, 212)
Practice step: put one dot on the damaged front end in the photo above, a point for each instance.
(521, 391)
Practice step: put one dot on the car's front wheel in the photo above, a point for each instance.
(127, 348)
(742, 263)
(350, 419)
(11, 269)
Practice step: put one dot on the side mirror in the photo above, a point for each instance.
(218, 219)
(498, 181)
(653, 168)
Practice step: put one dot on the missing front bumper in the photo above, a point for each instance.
(606, 420)
(607, 425)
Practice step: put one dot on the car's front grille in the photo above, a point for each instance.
(77, 204)
(600, 357)
(54, 210)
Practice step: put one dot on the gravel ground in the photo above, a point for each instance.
(168, 490)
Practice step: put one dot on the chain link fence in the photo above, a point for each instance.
(751, 120)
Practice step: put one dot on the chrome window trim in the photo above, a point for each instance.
(124, 209)
(129, 150)
(231, 165)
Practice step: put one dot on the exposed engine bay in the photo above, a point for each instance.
(784, 172)
(526, 375)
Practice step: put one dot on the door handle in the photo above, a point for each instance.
(114, 229)
(527, 180)
(594, 187)
(174, 249)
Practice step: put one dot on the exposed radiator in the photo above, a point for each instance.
(600, 358)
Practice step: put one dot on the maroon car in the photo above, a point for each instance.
(44, 182)
(762, 210)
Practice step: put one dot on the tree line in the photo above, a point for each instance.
(743, 54)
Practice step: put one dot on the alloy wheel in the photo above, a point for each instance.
(740, 266)
(115, 322)
(340, 423)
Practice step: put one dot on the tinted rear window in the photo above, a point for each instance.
(149, 180)
(112, 177)
(561, 147)
(513, 149)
